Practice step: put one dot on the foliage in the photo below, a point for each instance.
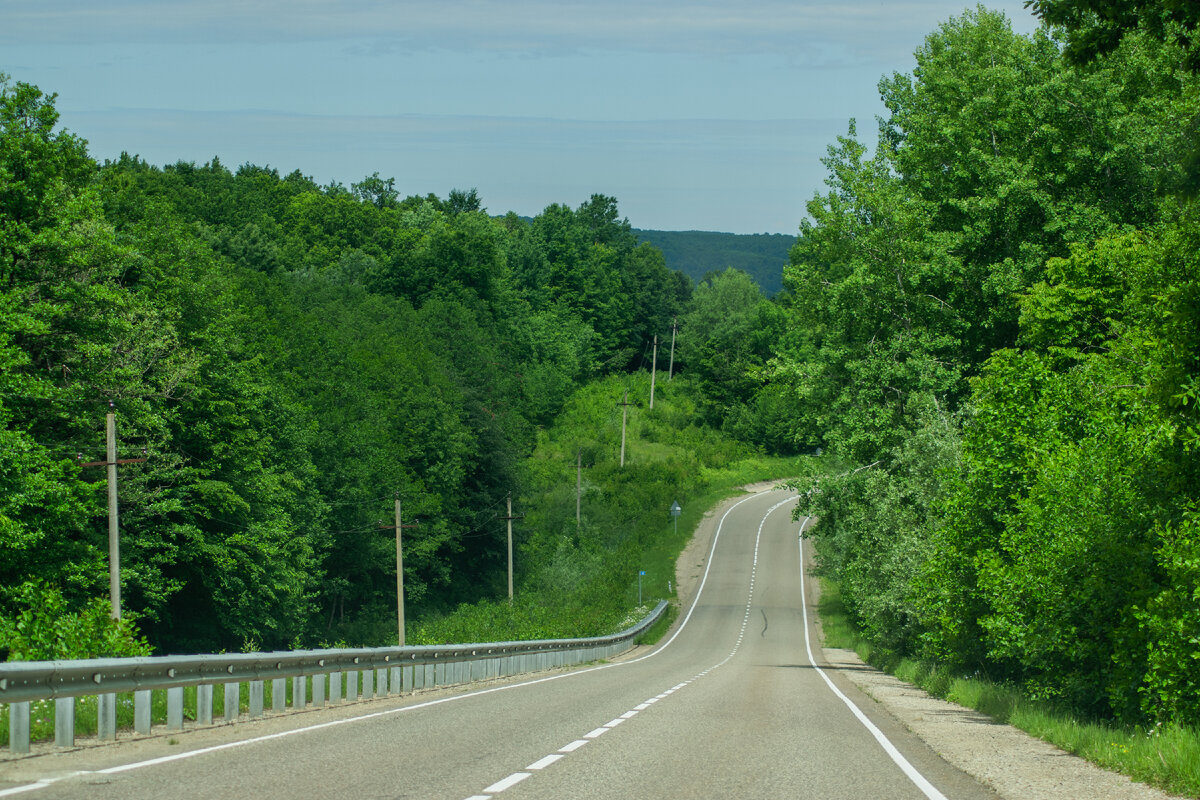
(1096, 27)
(993, 321)
(702, 254)
(289, 358)
(581, 578)
(43, 628)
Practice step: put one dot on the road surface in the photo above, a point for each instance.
(729, 705)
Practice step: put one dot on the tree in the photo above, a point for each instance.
(377, 191)
(1097, 27)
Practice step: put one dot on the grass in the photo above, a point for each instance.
(659, 629)
(1166, 757)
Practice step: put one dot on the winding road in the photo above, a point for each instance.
(731, 704)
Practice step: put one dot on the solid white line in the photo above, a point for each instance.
(29, 787)
(542, 763)
(927, 788)
(507, 783)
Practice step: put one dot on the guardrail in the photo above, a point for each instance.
(382, 671)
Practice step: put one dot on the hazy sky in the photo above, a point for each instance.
(694, 115)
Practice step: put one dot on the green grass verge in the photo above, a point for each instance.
(1166, 757)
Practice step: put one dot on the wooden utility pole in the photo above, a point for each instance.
(624, 418)
(671, 368)
(400, 570)
(653, 370)
(510, 519)
(114, 529)
(111, 462)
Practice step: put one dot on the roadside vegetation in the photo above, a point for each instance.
(990, 323)
(1164, 756)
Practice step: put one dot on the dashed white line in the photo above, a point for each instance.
(517, 777)
(507, 783)
(542, 763)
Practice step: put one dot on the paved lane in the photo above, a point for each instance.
(729, 706)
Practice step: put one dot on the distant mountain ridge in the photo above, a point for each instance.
(697, 253)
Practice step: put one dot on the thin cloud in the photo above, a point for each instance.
(528, 27)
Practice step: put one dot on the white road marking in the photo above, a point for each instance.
(29, 787)
(41, 784)
(507, 783)
(598, 732)
(573, 746)
(542, 763)
(919, 780)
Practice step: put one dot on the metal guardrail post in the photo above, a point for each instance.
(18, 727)
(106, 717)
(175, 708)
(279, 695)
(204, 704)
(335, 687)
(299, 691)
(257, 698)
(64, 722)
(233, 701)
(141, 712)
(318, 690)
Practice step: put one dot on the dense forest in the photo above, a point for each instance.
(699, 254)
(994, 320)
(288, 357)
(989, 325)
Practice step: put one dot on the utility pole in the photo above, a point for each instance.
(111, 462)
(653, 370)
(671, 368)
(510, 519)
(624, 418)
(399, 570)
(114, 528)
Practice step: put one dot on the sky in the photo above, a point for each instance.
(693, 114)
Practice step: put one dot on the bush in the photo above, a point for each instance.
(38, 625)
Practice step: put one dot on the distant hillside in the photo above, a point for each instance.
(696, 253)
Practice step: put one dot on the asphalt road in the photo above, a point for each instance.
(730, 705)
